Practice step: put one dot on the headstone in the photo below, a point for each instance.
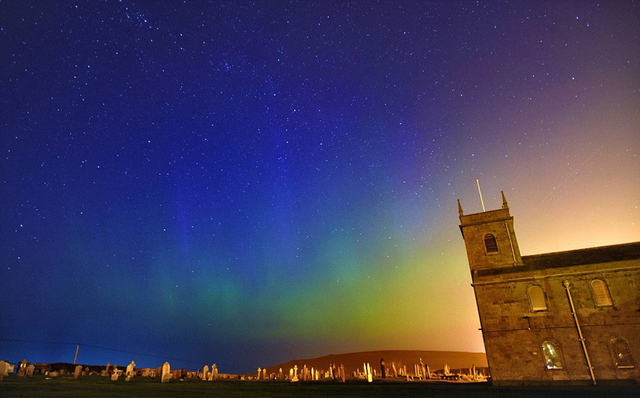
(115, 374)
(166, 372)
(395, 371)
(264, 374)
(259, 374)
(280, 375)
(428, 372)
(342, 374)
(369, 374)
(77, 372)
(294, 378)
(383, 369)
(205, 373)
(30, 368)
(130, 368)
(214, 372)
(3, 369)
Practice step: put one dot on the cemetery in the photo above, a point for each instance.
(383, 379)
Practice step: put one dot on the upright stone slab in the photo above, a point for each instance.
(214, 372)
(77, 372)
(30, 369)
(205, 373)
(166, 372)
(3, 369)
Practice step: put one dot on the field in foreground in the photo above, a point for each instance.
(96, 387)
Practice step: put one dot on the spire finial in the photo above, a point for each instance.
(460, 208)
(504, 201)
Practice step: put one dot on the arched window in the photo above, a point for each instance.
(601, 293)
(490, 243)
(621, 353)
(552, 355)
(537, 299)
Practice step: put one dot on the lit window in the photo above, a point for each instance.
(621, 353)
(490, 243)
(601, 293)
(536, 298)
(552, 355)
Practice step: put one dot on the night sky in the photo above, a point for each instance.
(244, 183)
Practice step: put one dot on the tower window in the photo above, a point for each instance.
(490, 243)
(601, 293)
(621, 353)
(537, 299)
(552, 355)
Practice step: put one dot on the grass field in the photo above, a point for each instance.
(94, 387)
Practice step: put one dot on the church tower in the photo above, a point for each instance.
(490, 239)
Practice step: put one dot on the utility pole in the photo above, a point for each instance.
(76, 358)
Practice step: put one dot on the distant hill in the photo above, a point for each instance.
(352, 361)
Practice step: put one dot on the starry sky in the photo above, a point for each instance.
(243, 183)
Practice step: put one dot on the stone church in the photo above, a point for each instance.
(566, 317)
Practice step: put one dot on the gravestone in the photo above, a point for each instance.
(205, 373)
(214, 372)
(395, 371)
(383, 369)
(166, 372)
(3, 369)
(294, 378)
(130, 372)
(264, 374)
(77, 372)
(115, 374)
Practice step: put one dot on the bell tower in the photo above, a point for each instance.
(489, 238)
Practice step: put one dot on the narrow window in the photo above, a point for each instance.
(490, 243)
(552, 356)
(621, 353)
(601, 293)
(537, 299)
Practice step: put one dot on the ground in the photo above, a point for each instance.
(96, 387)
